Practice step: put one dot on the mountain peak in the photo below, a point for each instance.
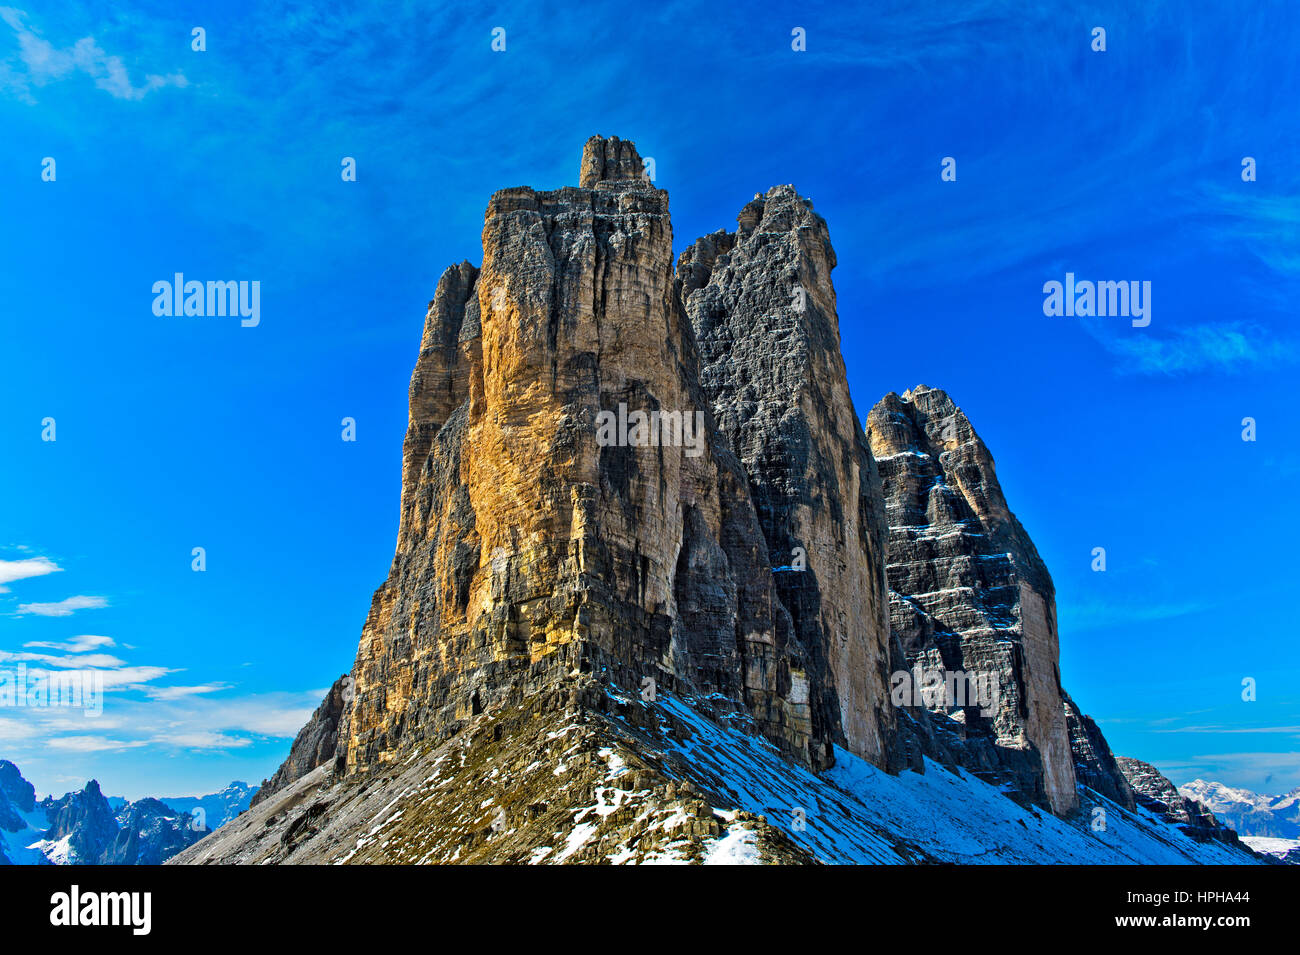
(606, 159)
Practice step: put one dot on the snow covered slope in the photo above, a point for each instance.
(660, 782)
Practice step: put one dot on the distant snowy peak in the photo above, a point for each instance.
(87, 828)
(1249, 813)
(215, 809)
(1217, 796)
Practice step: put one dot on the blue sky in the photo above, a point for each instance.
(174, 433)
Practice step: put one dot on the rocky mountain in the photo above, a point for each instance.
(762, 308)
(1249, 813)
(215, 809)
(654, 598)
(86, 828)
(1269, 825)
(969, 593)
(1158, 795)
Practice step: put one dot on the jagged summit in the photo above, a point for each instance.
(969, 591)
(608, 160)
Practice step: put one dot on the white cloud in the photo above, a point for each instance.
(88, 660)
(1229, 345)
(180, 692)
(43, 62)
(11, 570)
(63, 608)
(92, 744)
(202, 739)
(80, 644)
(130, 676)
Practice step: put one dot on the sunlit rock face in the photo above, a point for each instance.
(969, 592)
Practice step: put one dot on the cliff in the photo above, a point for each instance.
(968, 592)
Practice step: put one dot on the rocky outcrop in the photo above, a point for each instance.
(762, 306)
(1094, 764)
(536, 541)
(85, 819)
(149, 833)
(1158, 795)
(18, 791)
(17, 796)
(316, 743)
(969, 593)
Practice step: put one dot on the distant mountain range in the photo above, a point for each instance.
(88, 828)
(1268, 824)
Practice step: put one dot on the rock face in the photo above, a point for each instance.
(1094, 764)
(316, 743)
(1157, 794)
(85, 819)
(969, 593)
(762, 307)
(17, 796)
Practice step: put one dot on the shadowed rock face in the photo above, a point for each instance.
(762, 306)
(968, 590)
(316, 743)
(1157, 794)
(1094, 764)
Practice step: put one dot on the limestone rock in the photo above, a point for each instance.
(762, 306)
(651, 587)
(1157, 794)
(316, 743)
(609, 160)
(969, 593)
(1094, 764)
(529, 549)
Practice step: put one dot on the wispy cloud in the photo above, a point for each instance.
(79, 644)
(81, 661)
(1231, 346)
(92, 744)
(1093, 616)
(40, 62)
(202, 739)
(63, 608)
(180, 692)
(1234, 730)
